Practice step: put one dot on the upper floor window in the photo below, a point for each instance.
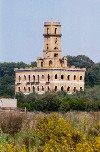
(42, 76)
(55, 54)
(74, 90)
(74, 77)
(55, 76)
(48, 77)
(62, 77)
(38, 88)
(48, 30)
(24, 77)
(68, 77)
(33, 77)
(38, 78)
(29, 78)
(48, 88)
(80, 77)
(28, 89)
(55, 48)
(41, 64)
(33, 89)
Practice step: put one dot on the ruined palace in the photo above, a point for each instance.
(52, 72)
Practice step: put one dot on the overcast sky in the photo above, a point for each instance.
(21, 28)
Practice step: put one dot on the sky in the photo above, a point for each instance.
(22, 21)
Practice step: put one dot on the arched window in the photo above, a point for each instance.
(50, 63)
(55, 88)
(68, 89)
(41, 64)
(19, 78)
(42, 76)
(68, 77)
(29, 78)
(42, 88)
(48, 31)
(28, 89)
(37, 78)
(48, 88)
(33, 89)
(81, 89)
(38, 88)
(62, 76)
(62, 88)
(48, 77)
(74, 77)
(55, 76)
(24, 89)
(18, 89)
(34, 78)
(74, 90)
(24, 77)
(55, 48)
(55, 30)
(80, 77)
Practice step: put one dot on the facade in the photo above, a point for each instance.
(52, 72)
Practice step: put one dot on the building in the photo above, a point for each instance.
(52, 72)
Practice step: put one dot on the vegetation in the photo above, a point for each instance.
(40, 132)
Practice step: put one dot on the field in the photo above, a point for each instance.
(50, 132)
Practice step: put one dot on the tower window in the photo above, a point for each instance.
(55, 88)
(74, 77)
(19, 78)
(62, 77)
(55, 54)
(42, 88)
(68, 89)
(33, 89)
(50, 63)
(48, 31)
(55, 30)
(62, 88)
(55, 48)
(68, 77)
(48, 77)
(80, 77)
(47, 47)
(41, 64)
(55, 76)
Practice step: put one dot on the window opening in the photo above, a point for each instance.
(68, 89)
(62, 77)
(48, 77)
(80, 77)
(74, 89)
(55, 76)
(19, 78)
(28, 89)
(38, 88)
(24, 89)
(68, 77)
(24, 77)
(34, 78)
(50, 63)
(55, 30)
(38, 78)
(42, 88)
(29, 78)
(18, 89)
(41, 64)
(33, 89)
(55, 48)
(74, 77)
(47, 30)
(42, 76)
(55, 88)
(62, 88)
(55, 54)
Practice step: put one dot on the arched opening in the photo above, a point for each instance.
(33, 89)
(42, 88)
(28, 89)
(68, 89)
(55, 30)
(48, 77)
(81, 89)
(29, 78)
(55, 48)
(38, 88)
(74, 90)
(42, 76)
(80, 77)
(68, 77)
(62, 88)
(19, 78)
(48, 88)
(41, 64)
(18, 89)
(33, 78)
(74, 77)
(55, 88)
(37, 78)
(50, 63)
(24, 89)
(24, 77)
(62, 76)
(55, 76)
(48, 31)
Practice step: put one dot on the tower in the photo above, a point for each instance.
(52, 46)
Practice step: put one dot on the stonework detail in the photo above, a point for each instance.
(52, 72)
